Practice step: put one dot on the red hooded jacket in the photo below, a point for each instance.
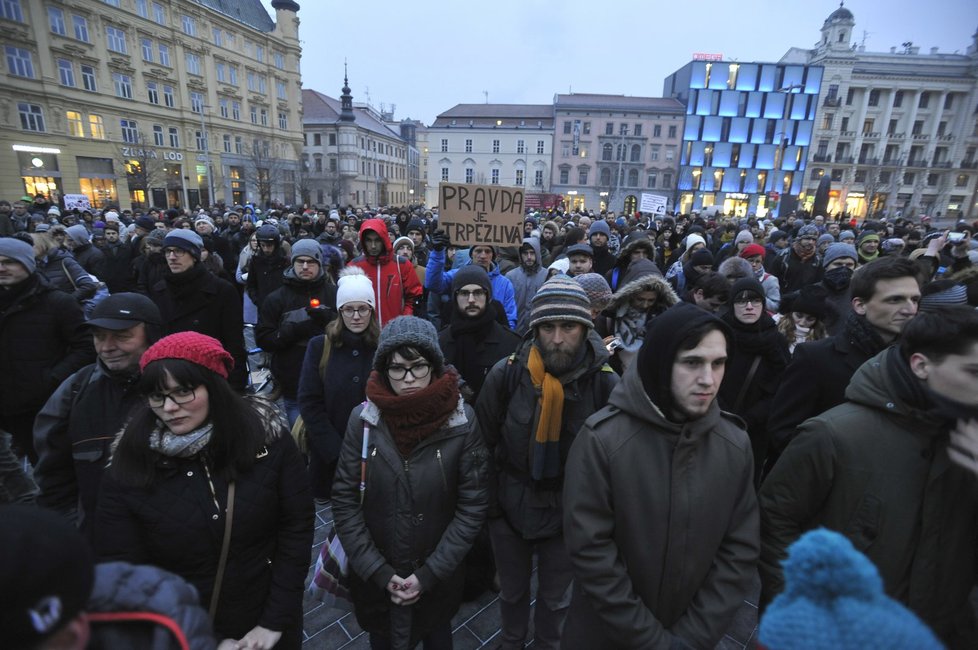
(396, 284)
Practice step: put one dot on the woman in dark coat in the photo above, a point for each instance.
(760, 355)
(166, 493)
(334, 375)
(409, 525)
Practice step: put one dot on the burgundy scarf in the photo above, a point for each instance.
(412, 418)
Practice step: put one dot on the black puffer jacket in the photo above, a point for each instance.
(91, 259)
(284, 327)
(174, 524)
(122, 588)
(64, 273)
(265, 274)
(419, 515)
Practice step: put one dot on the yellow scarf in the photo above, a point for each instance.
(545, 456)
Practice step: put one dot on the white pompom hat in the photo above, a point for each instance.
(354, 286)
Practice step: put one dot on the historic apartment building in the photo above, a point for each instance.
(351, 156)
(150, 102)
(491, 144)
(897, 131)
(609, 149)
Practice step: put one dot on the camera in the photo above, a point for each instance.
(614, 345)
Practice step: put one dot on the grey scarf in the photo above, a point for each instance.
(189, 444)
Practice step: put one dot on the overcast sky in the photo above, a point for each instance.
(425, 57)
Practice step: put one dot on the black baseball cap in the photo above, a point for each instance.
(120, 311)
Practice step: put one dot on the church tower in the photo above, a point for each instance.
(837, 31)
(347, 143)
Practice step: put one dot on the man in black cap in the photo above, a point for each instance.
(42, 341)
(661, 521)
(76, 427)
(191, 298)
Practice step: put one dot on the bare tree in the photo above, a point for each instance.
(144, 169)
(873, 185)
(264, 170)
(919, 184)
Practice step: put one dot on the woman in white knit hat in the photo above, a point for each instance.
(334, 375)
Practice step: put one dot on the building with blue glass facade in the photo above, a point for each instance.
(747, 133)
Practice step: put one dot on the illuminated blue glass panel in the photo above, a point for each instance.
(746, 156)
(739, 127)
(803, 134)
(747, 77)
(692, 131)
(769, 78)
(765, 156)
(750, 182)
(797, 183)
(703, 102)
(731, 180)
(719, 75)
(758, 132)
(685, 179)
(697, 78)
(721, 154)
(799, 106)
(754, 103)
(813, 82)
(696, 155)
(774, 106)
(793, 75)
(707, 180)
(729, 103)
(712, 128)
(790, 160)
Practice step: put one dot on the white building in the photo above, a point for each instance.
(491, 144)
(897, 131)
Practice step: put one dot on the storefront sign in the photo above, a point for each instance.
(481, 214)
(138, 152)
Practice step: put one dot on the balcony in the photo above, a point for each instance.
(871, 135)
(832, 101)
(921, 136)
(868, 161)
(847, 134)
(821, 158)
(946, 138)
(897, 136)
(969, 164)
(942, 165)
(845, 160)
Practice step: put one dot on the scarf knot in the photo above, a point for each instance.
(545, 456)
(165, 442)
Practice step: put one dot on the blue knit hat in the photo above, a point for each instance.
(834, 600)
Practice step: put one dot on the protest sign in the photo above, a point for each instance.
(653, 203)
(481, 214)
(79, 201)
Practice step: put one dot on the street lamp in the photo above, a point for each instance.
(621, 160)
(206, 159)
(779, 160)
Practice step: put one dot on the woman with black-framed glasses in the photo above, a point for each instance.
(410, 494)
(334, 375)
(210, 486)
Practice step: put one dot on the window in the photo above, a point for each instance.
(538, 178)
(891, 129)
(66, 73)
(657, 131)
(874, 97)
(962, 180)
(609, 128)
(667, 180)
(252, 81)
(520, 146)
(164, 54)
(88, 78)
(236, 111)
(567, 127)
(918, 127)
(279, 60)
(19, 62)
(193, 63)
(606, 151)
(223, 107)
(96, 128)
(850, 94)
(331, 139)
(948, 101)
(80, 25)
(116, 40)
(142, 8)
(564, 176)
(159, 13)
(130, 131)
(31, 117)
(469, 175)
(201, 141)
(636, 153)
(495, 177)
(672, 132)
(218, 35)
(264, 116)
(317, 139)
(654, 154)
(633, 178)
(153, 92)
(868, 126)
(238, 146)
(860, 176)
(260, 53)
(622, 129)
(540, 145)
(670, 153)
(233, 74)
(653, 177)
(196, 102)
(146, 44)
(56, 20)
(468, 146)
(76, 128)
(227, 143)
(444, 173)
(158, 138)
(174, 137)
(898, 99)
(254, 114)
(221, 71)
(189, 25)
(844, 125)
(519, 177)
(280, 91)
(924, 100)
(907, 178)
(283, 120)
(10, 9)
(168, 96)
(122, 84)
(495, 146)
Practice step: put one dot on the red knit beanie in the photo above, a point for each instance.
(752, 250)
(193, 347)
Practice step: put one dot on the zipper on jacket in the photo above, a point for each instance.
(441, 466)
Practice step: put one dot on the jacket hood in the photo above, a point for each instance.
(636, 241)
(876, 385)
(533, 243)
(378, 226)
(641, 279)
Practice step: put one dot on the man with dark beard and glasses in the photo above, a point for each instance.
(531, 407)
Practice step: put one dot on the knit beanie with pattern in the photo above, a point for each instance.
(560, 299)
(597, 289)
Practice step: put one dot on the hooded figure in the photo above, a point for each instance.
(637, 245)
(527, 279)
(396, 286)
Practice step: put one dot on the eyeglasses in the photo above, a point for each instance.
(179, 252)
(418, 371)
(743, 302)
(180, 395)
(306, 262)
(355, 311)
(478, 294)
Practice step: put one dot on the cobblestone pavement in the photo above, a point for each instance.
(475, 626)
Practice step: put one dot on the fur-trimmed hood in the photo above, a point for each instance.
(647, 282)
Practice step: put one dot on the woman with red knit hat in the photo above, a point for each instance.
(210, 486)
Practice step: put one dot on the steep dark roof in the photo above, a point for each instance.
(249, 12)
(618, 102)
(840, 14)
(486, 115)
(318, 108)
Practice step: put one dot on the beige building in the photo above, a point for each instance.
(896, 131)
(150, 102)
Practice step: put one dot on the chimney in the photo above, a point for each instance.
(933, 50)
(893, 50)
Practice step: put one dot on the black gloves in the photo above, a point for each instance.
(439, 241)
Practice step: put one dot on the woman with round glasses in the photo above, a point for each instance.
(756, 363)
(411, 491)
(334, 375)
(192, 455)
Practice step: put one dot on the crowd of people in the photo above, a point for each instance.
(647, 411)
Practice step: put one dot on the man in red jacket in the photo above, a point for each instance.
(396, 284)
